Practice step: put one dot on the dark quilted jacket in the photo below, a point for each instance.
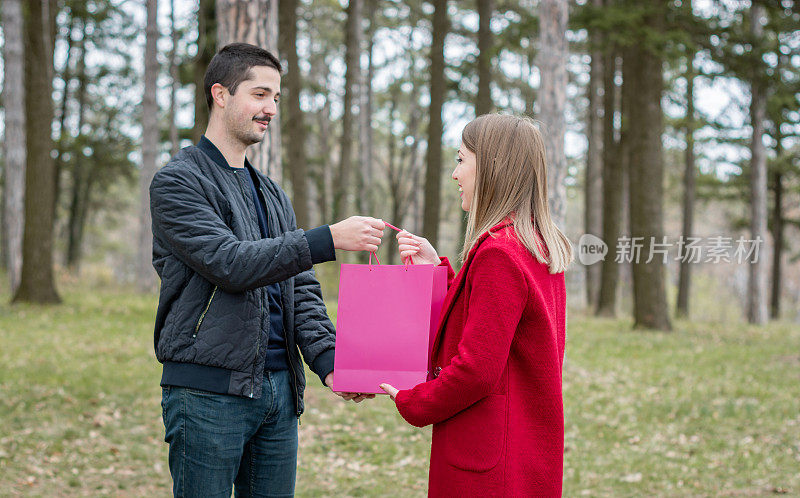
(212, 319)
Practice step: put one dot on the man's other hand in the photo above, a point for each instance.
(357, 397)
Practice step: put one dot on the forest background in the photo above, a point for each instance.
(672, 137)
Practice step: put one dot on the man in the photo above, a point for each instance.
(239, 301)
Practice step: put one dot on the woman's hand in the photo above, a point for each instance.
(390, 390)
(417, 248)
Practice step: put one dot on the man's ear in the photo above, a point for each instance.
(219, 94)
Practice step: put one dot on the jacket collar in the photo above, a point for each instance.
(211, 150)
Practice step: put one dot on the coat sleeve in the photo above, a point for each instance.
(185, 221)
(498, 293)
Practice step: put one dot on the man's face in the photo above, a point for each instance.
(248, 112)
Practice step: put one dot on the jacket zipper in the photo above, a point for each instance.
(294, 377)
(203, 314)
(260, 305)
(285, 333)
(258, 341)
(288, 353)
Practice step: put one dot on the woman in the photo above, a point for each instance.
(495, 400)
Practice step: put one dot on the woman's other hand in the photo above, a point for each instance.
(417, 248)
(390, 390)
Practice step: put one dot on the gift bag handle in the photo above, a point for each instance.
(406, 261)
(373, 253)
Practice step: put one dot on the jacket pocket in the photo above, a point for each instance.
(475, 439)
(203, 314)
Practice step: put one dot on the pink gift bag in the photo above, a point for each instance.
(386, 320)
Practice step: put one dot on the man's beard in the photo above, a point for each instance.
(248, 136)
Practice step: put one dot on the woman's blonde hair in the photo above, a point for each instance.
(511, 182)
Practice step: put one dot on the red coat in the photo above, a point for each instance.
(495, 404)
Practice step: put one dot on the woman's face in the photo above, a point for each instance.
(464, 174)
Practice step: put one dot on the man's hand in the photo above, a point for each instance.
(357, 397)
(358, 233)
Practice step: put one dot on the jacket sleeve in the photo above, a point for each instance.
(185, 220)
(498, 294)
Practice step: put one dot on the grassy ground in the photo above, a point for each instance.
(708, 410)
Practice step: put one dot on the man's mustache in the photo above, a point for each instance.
(263, 118)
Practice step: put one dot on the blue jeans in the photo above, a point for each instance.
(217, 441)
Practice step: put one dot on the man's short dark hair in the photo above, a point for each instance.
(231, 65)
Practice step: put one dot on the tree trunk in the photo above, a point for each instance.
(295, 142)
(66, 77)
(206, 39)
(79, 207)
(778, 221)
(366, 192)
(552, 61)
(646, 170)
(341, 189)
(757, 285)
(14, 143)
(174, 82)
(37, 281)
(613, 188)
(80, 177)
(684, 278)
(433, 156)
(777, 238)
(145, 276)
(483, 103)
(593, 200)
(327, 173)
(393, 177)
(403, 171)
(527, 90)
(255, 22)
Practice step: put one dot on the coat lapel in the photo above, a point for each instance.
(458, 284)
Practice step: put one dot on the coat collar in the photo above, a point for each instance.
(458, 284)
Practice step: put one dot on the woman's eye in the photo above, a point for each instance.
(458, 160)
